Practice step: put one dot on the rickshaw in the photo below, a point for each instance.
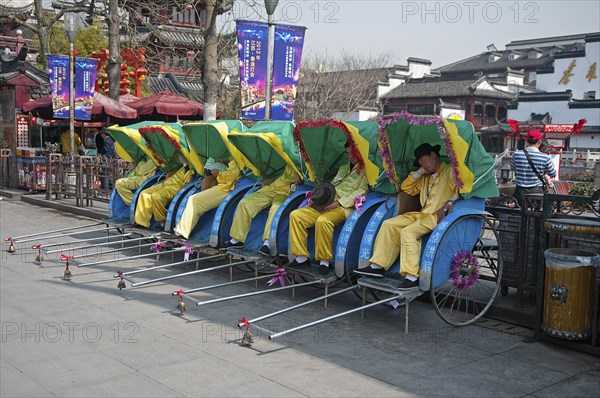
(321, 144)
(460, 263)
(131, 147)
(197, 142)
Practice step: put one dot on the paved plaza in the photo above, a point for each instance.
(85, 337)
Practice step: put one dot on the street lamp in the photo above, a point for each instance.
(270, 6)
(70, 31)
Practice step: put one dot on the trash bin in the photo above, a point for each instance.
(569, 292)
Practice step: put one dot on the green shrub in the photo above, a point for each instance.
(585, 189)
(582, 176)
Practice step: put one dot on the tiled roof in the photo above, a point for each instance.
(588, 103)
(481, 62)
(549, 96)
(10, 68)
(443, 87)
(190, 89)
(179, 36)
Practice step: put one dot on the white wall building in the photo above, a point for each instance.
(567, 91)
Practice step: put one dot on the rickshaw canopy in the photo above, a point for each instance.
(269, 147)
(167, 142)
(472, 166)
(209, 139)
(322, 147)
(129, 144)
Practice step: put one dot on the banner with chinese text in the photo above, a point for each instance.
(58, 68)
(252, 49)
(286, 68)
(85, 78)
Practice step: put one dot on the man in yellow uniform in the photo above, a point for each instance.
(272, 195)
(203, 201)
(125, 186)
(65, 142)
(348, 186)
(401, 235)
(154, 200)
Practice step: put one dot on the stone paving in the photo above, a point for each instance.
(85, 337)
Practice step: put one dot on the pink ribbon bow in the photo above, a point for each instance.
(358, 202)
(280, 275)
(158, 246)
(189, 249)
(307, 196)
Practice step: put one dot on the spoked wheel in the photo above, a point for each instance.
(467, 270)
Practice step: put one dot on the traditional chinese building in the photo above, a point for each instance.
(568, 90)
(171, 33)
(418, 89)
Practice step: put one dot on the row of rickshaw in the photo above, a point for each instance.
(460, 263)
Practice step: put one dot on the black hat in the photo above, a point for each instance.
(322, 196)
(424, 149)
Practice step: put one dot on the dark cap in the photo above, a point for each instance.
(424, 149)
(322, 196)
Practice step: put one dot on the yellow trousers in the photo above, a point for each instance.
(249, 208)
(196, 206)
(127, 185)
(324, 222)
(401, 235)
(154, 201)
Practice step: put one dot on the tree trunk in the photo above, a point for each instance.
(43, 33)
(210, 70)
(113, 67)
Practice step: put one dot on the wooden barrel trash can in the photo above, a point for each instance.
(569, 292)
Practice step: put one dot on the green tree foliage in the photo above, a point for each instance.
(87, 40)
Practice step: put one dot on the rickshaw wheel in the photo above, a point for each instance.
(467, 270)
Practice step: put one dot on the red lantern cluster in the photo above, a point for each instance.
(132, 70)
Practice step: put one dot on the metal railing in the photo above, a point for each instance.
(5, 170)
(85, 178)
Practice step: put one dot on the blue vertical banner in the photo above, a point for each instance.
(85, 80)
(252, 49)
(58, 69)
(289, 41)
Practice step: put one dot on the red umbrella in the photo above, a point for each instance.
(102, 106)
(127, 98)
(167, 103)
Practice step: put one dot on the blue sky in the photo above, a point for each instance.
(442, 31)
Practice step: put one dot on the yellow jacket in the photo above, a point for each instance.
(434, 191)
(144, 169)
(349, 185)
(227, 179)
(65, 141)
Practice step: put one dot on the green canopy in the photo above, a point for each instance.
(473, 167)
(322, 147)
(129, 144)
(167, 142)
(208, 139)
(269, 147)
(370, 131)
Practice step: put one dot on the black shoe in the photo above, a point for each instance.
(323, 269)
(408, 284)
(296, 264)
(265, 250)
(369, 271)
(228, 244)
